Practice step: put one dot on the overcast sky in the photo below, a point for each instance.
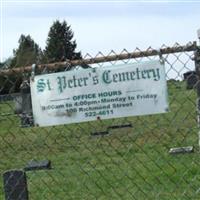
(101, 26)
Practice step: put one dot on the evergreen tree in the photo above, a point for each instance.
(6, 64)
(27, 53)
(60, 43)
(11, 83)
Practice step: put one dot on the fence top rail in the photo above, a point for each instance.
(191, 46)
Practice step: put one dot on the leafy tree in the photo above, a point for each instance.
(27, 53)
(60, 44)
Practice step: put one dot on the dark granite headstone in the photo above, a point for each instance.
(15, 185)
(128, 125)
(191, 79)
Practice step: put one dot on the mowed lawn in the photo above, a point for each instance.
(129, 163)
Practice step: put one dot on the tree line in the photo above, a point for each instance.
(60, 46)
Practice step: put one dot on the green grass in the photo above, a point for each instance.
(129, 163)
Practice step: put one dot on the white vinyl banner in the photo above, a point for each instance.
(99, 93)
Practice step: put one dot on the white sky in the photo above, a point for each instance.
(101, 26)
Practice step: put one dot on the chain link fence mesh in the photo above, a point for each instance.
(132, 161)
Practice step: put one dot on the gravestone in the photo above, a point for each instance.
(15, 185)
(191, 79)
(38, 165)
(18, 104)
(26, 106)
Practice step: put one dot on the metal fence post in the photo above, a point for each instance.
(15, 185)
(197, 70)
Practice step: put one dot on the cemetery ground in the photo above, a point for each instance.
(127, 163)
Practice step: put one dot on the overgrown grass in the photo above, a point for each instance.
(129, 163)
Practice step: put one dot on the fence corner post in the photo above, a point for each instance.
(197, 70)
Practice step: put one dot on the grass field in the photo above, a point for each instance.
(129, 163)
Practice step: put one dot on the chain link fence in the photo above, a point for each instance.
(127, 158)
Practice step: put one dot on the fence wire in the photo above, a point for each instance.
(130, 161)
